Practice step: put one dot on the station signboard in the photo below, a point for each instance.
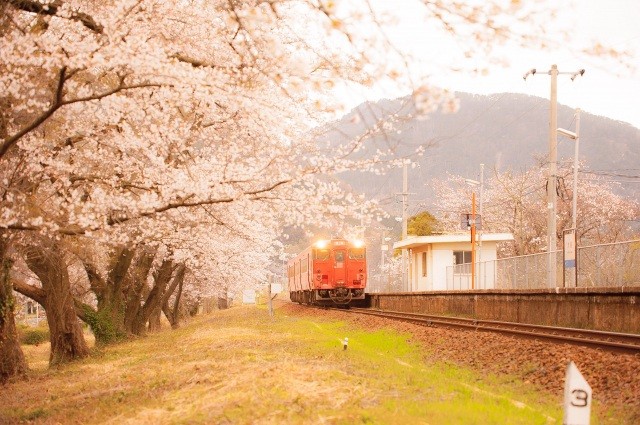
(467, 219)
(569, 243)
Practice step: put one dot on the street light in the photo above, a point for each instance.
(575, 136)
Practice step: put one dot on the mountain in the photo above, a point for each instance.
(503, 131)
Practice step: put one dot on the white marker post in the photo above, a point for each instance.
(577, 398)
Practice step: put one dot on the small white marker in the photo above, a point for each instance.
(577, 398)
(345, 342)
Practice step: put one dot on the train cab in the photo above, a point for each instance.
(329, 271)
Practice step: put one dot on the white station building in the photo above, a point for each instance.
(443, 262)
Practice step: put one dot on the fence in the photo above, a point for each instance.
(614, 264)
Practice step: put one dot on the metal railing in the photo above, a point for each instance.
(611, 265)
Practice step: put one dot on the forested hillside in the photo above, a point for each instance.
(504, 131)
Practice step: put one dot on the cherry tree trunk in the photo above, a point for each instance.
(174, 314)
(12, 361)
(153, 303)
(67, 339)
(137, 290)
(108, 320)
(154, 320)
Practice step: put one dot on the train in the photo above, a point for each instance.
(329, 272)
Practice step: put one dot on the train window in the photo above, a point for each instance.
(321, 254)
(356, 253)
(339, 255)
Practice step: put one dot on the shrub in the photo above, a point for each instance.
(34, 336)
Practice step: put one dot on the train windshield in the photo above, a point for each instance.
(321, 254)
(356, 253)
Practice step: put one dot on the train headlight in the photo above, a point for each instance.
(358, 243)
(321, 244)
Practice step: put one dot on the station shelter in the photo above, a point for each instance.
(443, 262)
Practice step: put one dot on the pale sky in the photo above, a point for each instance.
(605, 89)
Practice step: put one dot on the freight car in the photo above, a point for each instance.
(328, 272)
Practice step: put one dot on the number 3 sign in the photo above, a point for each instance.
(577, 398)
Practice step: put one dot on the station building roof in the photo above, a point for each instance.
(415, 241)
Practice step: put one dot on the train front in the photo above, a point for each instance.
(339, 271)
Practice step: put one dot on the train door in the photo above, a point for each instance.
(339, 267)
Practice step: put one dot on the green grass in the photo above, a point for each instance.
(241, 367)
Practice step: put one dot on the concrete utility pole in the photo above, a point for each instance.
(384, 247)
(552, 170)
(568, 253)
(552, 190)
(482, 224)
(574, 204)
(405, 201)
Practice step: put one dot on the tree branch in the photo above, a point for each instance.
(81, 310)
(52, 8)
(116, 219)
(55, 105)
(59, 102)
(33, 292)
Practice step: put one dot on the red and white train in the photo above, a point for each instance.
(328, 272)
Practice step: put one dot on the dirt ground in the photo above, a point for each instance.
(613, 377)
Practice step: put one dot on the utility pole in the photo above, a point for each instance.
(552, 170)
(476, 232)
(384, 247)
(552, 180)
(473, 240)
(405, 201)
(569, 254)
(574, 205)
(481, 224)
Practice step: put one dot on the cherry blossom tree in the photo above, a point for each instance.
(183, 129)
(515, 203)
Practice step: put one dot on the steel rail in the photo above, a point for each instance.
(598, 339)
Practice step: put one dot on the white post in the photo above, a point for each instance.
(577, 398)
(405, 194)
(481, 280)
(270, 298)
(382, 252)
(551, 179)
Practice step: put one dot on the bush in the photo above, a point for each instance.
(33, 336)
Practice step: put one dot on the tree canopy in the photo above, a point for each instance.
(422, 224)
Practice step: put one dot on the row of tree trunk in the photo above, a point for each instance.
(131, 298)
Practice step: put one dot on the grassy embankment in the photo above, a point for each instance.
(239, 366)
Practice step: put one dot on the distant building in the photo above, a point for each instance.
(249, 296)
(443, 262)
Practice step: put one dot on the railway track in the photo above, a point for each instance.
(611, 341)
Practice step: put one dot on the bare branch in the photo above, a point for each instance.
(52, 9)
